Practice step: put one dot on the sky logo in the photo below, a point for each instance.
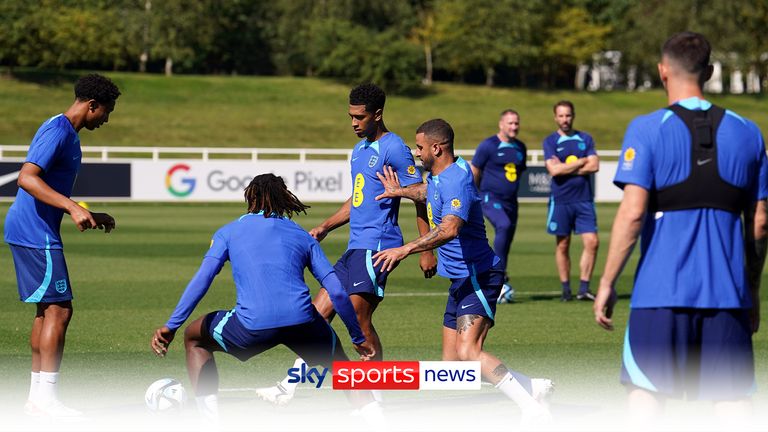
(307, 375)
(188, 183)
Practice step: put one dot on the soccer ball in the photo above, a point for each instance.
(507, 294)
(165, 394)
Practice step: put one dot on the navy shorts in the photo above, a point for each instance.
(703, 354)
(314, 341)
(578, 217)
(474, 295)
(357, 274)
(41, 275)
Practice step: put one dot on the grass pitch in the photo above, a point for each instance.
(220, 111)
(128, 282)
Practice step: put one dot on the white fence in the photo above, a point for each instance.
(123, 154)
(219, 174)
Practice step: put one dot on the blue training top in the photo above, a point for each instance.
(56, 150)
(691, 258)
(572, 187)
(501, 163)
(373, 224)
(453, 192)
(268, 256)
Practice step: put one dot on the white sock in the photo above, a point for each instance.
(515, 391)
(48, 389)
(208, 405)
(34, 384)
(289, 386)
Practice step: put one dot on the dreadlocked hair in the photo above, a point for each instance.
(268, 193)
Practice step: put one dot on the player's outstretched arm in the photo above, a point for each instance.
(447, 230)
(346, 311)
(755, 244)
(341, 217)
(194, 292)
(30, 179)
(624, 235)
(392, 189)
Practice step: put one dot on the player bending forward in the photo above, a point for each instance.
(273, 302)
(458, 233)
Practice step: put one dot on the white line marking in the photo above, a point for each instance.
(443, 294)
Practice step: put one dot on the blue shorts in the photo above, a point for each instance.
(704, 354)
(41, 275)
(314, 341)
(578, 217)
(357, 274)
(474, 295)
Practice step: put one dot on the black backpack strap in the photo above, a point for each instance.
(704, 188)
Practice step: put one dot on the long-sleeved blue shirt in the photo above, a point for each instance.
(268, 257)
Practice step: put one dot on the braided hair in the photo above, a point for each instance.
(268, 193)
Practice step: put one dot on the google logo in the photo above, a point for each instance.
(188, 181)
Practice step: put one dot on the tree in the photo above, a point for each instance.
(426, 34)
(180, 31)
(483, 33)
(574, 38)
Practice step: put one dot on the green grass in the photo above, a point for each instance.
(127, 283)
(215, 111)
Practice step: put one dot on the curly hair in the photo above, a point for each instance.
(368, 94)
(268, 193)
(97, 87)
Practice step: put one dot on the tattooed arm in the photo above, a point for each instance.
(416, 192)
(447, 230)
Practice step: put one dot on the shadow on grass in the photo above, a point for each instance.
(550, 297)
(42, 76)
(410, 90)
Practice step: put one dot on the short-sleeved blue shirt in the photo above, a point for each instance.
(570, 188)
(453, 192)
(691, 258)
(268, 257)
(501, 163)
(56, 150)
(373, 224)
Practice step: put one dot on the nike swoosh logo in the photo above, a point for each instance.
(466, 306)
(75, 157)
(5, 179)
(354, 159)
(358, 283)
(560, 149)
(700, 162)
(500, 154)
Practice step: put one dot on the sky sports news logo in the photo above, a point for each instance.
(393, 375)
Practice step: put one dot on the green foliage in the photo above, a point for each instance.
(485, 34)
(506, 41)
(574, 37)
